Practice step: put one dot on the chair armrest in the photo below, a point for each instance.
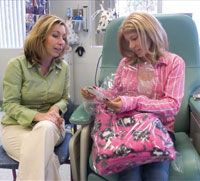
(79, 150)
(80, 116)
(195, 106)
(85, 147)
(74, 152)
(195, 123)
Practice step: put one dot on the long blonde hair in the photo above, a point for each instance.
(34, 47)
(148, 28)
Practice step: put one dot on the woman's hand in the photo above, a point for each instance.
(115, 104)
(52, 115)
(86, 94)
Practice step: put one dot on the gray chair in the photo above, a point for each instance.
(62, 151)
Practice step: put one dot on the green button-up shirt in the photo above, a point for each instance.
(26, 91)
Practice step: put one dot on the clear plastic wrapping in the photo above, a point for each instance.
(90, 105)
(145, 79)
(116, 85)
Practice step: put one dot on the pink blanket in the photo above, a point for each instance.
(128, 139)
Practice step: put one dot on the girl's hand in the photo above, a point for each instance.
(86, 94)
(115, 104)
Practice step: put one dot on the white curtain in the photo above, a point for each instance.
(12, 23)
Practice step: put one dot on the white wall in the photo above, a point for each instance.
(5, 56)
(83, 67)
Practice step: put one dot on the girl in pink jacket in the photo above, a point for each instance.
(148, 79)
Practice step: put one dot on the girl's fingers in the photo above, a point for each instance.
(115, 104)
(86, 94)
(118, 99)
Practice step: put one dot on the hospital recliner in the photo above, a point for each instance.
(183, 40)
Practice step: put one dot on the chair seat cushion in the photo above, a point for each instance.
(189, 161)
(6, 161)
(94, 177)
(62, 151)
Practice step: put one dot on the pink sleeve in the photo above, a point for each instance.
(128, 103)
(168, 105)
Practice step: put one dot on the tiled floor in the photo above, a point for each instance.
(6, 174)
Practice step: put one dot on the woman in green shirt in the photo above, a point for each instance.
(35, 96)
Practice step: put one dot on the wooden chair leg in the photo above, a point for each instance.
(14, 174)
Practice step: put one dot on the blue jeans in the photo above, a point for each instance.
(157, 171)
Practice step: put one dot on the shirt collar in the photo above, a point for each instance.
(57, 65)
(31, 65)
(164, 59)
(54, 64)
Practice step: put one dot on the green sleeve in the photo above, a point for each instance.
(12, 84)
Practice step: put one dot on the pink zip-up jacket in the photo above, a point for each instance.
(167, 89)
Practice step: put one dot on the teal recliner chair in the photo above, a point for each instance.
(183, 40)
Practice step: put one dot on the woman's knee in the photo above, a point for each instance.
(48, 129)
(47, 125)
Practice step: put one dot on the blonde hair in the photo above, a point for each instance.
(148, 28)
(34, 47)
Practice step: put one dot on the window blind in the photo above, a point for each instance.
(12, 23)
